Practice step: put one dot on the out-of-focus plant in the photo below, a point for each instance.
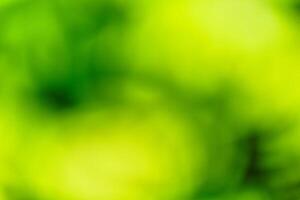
(158, 100)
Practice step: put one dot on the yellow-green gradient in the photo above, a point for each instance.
(149, 100)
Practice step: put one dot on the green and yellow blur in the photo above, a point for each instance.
(149, 100)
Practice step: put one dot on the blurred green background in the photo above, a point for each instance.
(149, 100)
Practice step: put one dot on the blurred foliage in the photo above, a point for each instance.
(149, 100)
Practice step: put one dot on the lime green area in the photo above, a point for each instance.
(149, 100)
